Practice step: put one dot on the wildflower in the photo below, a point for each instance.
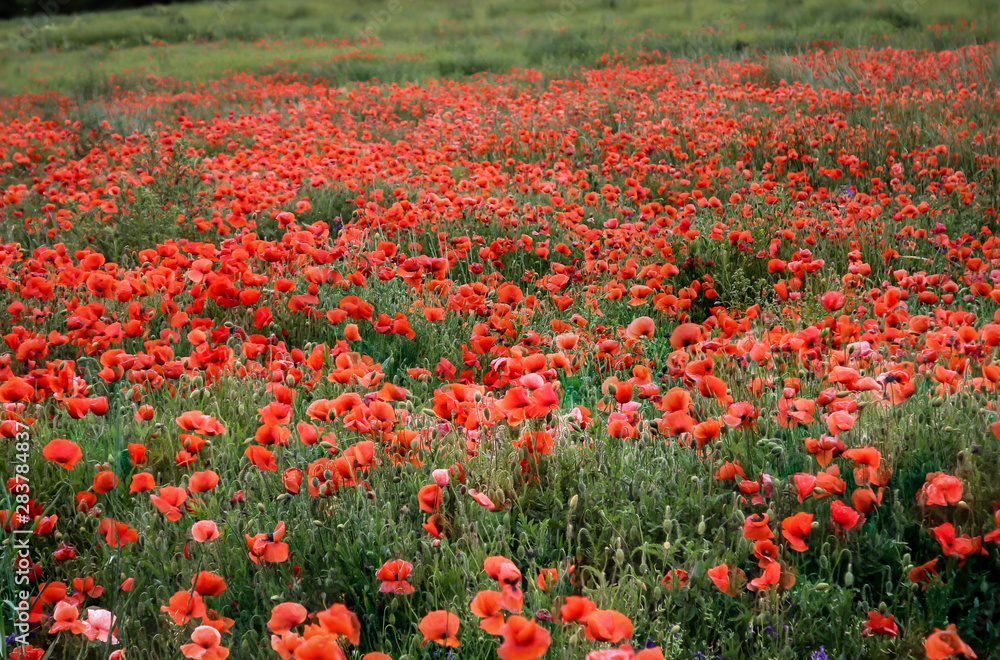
(524, 639)
(285, 616)
(206, 644)
(487, 606)
(268, 547)
(393, 575)
(877, 624)
(205, 530)
(66, 617)
(66, 453)
(946, 643)
(441, 627)
(607, 626)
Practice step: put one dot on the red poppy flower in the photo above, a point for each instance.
(877, 624)
(64, 452)
(946, 643)
(393, 574)
(440, 627)
(268, 547)
(524, 639)
(607, 626)
(286, 616)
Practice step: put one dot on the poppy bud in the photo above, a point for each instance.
(701, 526)
(882, 608)
(573, 501)
(822, 586)
(261, 507)
(666, 545)
(849, 577)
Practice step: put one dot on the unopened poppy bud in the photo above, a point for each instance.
(261, 507)
(478, 396)
(963, 505)
(573, 501)
(290, 380)
(882, 608)
(849, 577)
(619, 556)
(814, 526)
(701, 526)
(428, 412)
(676, 629)
(317, 523)
(326, 444)
(822, 586)
(666, 545)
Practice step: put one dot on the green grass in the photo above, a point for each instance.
(204, 40)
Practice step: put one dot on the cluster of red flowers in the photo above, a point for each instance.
(565, 241)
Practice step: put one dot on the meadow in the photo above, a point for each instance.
(607, 330)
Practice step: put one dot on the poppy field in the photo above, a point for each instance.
(662, 357)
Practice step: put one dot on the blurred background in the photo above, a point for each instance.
(77, 45)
